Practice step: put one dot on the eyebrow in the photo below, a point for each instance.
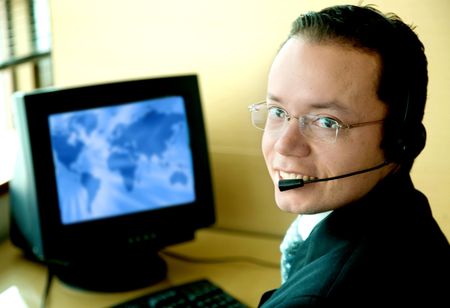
(273, 98)
(333, 105)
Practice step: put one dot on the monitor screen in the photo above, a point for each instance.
(122, 159)
(109, 174)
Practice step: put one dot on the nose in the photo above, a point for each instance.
(290, 141)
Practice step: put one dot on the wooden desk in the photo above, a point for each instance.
(245, 281)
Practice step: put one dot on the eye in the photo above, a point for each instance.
(326, 122)
(277, 113)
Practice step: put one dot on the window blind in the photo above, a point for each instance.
(25, 50)
(25, 64)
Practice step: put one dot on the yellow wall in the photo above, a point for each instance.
(230, 45)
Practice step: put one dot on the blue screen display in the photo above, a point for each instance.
(122, 159)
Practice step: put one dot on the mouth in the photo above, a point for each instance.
(294, 176)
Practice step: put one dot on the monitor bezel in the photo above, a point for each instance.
(114, 233)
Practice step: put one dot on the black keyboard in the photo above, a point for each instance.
(200, 293)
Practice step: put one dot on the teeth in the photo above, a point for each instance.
(292, 176)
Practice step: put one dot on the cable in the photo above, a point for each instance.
(48, 285)
(229, 259)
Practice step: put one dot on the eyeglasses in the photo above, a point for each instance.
(322, 128)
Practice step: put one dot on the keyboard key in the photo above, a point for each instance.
(194, 294)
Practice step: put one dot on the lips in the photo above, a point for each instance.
(290, 176)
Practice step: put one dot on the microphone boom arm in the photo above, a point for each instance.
(288, 184)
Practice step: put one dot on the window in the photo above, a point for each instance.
(25, 64)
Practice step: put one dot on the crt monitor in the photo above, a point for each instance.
(109, 174)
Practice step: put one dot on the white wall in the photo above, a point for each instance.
(231, 44)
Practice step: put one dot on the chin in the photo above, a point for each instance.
(287, 203)
(287, 209)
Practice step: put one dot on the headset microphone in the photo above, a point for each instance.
(288, 184)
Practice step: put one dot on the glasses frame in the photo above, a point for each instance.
(341, 126)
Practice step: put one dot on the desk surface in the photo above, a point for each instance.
(246, 281)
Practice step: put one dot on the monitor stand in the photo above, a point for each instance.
(112, 273)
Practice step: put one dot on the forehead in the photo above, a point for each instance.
(325, 75)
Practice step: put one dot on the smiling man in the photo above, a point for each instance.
(342, 126)
(337, 84)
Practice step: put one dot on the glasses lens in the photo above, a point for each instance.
(277, 118)
(323, 129)
(259, 115)
(274, 118)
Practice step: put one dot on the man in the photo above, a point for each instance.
(342, 126)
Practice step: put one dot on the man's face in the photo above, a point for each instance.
(337, 81)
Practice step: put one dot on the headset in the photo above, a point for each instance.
(403, 144)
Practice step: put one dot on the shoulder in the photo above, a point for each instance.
(313, 277)
(318, 264)
(359, 276)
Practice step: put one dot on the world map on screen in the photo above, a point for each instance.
(122, 159)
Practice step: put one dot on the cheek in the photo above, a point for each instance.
(363, 148)
(370, 149)
(266, 146)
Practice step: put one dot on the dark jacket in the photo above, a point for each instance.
(385, 250)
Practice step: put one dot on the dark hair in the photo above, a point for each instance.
(403, 80)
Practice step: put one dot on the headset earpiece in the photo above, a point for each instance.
(408, 146)
(410, 139)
